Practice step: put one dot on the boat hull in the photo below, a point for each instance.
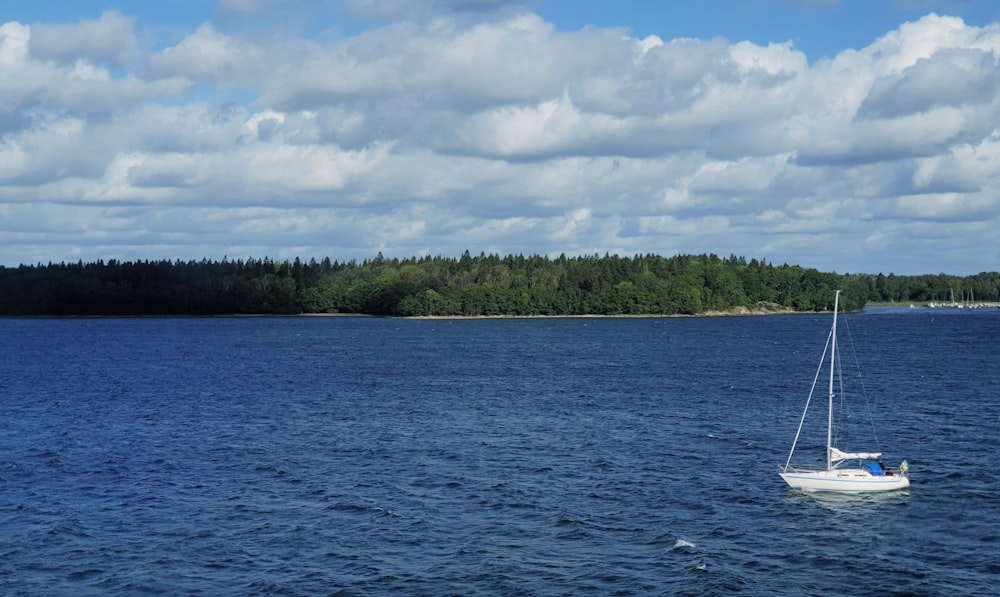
(844, 480)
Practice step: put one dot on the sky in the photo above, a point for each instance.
(850, 136)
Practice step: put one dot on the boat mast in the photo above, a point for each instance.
(833, 357)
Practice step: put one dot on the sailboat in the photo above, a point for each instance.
(838, 474)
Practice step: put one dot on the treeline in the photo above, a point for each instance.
(467, 286)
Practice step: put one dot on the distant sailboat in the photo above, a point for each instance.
(869, 477)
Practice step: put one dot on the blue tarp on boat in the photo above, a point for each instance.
(875, 469)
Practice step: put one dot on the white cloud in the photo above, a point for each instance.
(965, 168)
(479, 125)
(211, 57)
(108, 39)
(14, 38)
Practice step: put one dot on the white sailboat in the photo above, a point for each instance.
(838, 476)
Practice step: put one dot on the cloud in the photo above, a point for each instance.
(109, 39)
(965, 168)
(480, 125)
(950, 77)
(207, 56)
(62, 74)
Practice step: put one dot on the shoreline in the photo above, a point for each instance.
(736, 312)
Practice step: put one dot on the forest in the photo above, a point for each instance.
(483, 285)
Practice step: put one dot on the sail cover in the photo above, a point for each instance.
(837, 455)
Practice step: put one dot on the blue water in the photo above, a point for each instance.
(355, 456)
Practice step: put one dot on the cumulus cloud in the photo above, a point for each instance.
(109, 39)
(435, 132)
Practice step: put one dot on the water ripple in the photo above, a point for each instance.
(313, 456)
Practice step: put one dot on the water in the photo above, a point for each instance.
(350, 456)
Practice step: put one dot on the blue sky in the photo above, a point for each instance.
(842, 135)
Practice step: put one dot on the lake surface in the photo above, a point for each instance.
(356, 456)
